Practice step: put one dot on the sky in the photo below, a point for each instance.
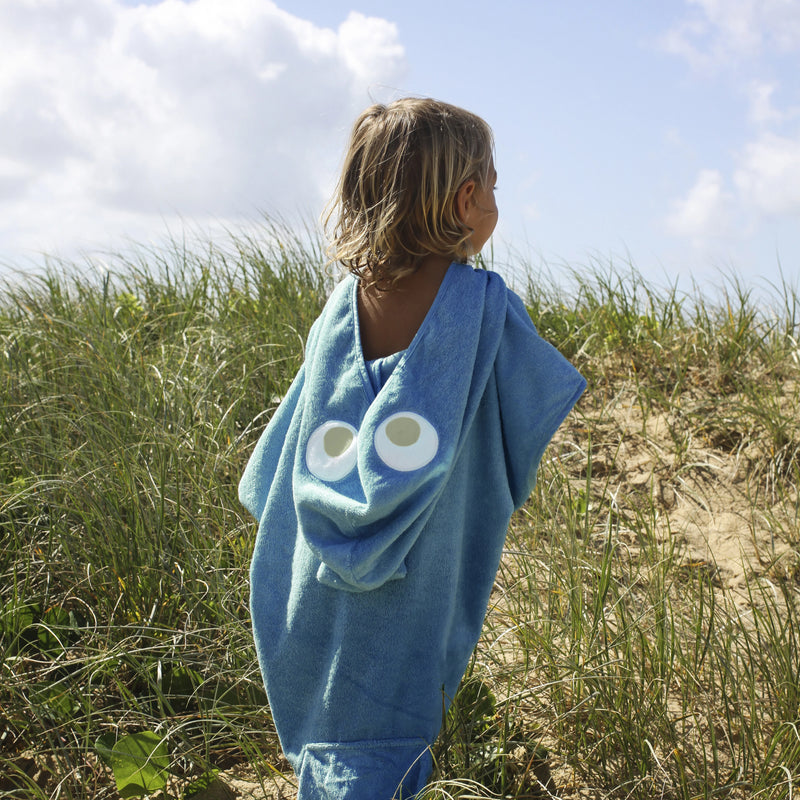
(659, 135)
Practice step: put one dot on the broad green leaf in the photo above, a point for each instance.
(139, 762)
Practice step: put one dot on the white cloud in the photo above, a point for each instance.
(366, 45)
(705, 212)
(768, 176)
(720, 32)
(766, 185)
(116, 118)
(741, 36)
(762, 110)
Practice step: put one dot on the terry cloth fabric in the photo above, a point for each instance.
(382, 517)
(379, 369)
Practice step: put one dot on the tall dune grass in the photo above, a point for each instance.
(611, 666)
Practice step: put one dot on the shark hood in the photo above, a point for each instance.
(372, 467)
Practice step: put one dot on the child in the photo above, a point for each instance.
(385, 481)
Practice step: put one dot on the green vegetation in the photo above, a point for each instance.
(624, 655)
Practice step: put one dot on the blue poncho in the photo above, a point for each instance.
(382, 516)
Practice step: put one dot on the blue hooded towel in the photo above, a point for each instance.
(382, 515)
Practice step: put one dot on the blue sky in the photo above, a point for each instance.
(665, 134)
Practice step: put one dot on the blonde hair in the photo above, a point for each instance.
(395, 201)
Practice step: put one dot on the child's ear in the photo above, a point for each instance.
(464, 199)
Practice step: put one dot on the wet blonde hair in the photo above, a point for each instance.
(395, 201)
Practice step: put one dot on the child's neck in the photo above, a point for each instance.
(389, 319)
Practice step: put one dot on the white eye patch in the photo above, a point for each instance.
(331, 451)
(406, 441)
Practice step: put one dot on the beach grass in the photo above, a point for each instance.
(642, 639)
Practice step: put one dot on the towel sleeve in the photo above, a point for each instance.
(537, 387)
(262, 466)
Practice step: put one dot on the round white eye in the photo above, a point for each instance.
(331, 451)
(406, 441)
